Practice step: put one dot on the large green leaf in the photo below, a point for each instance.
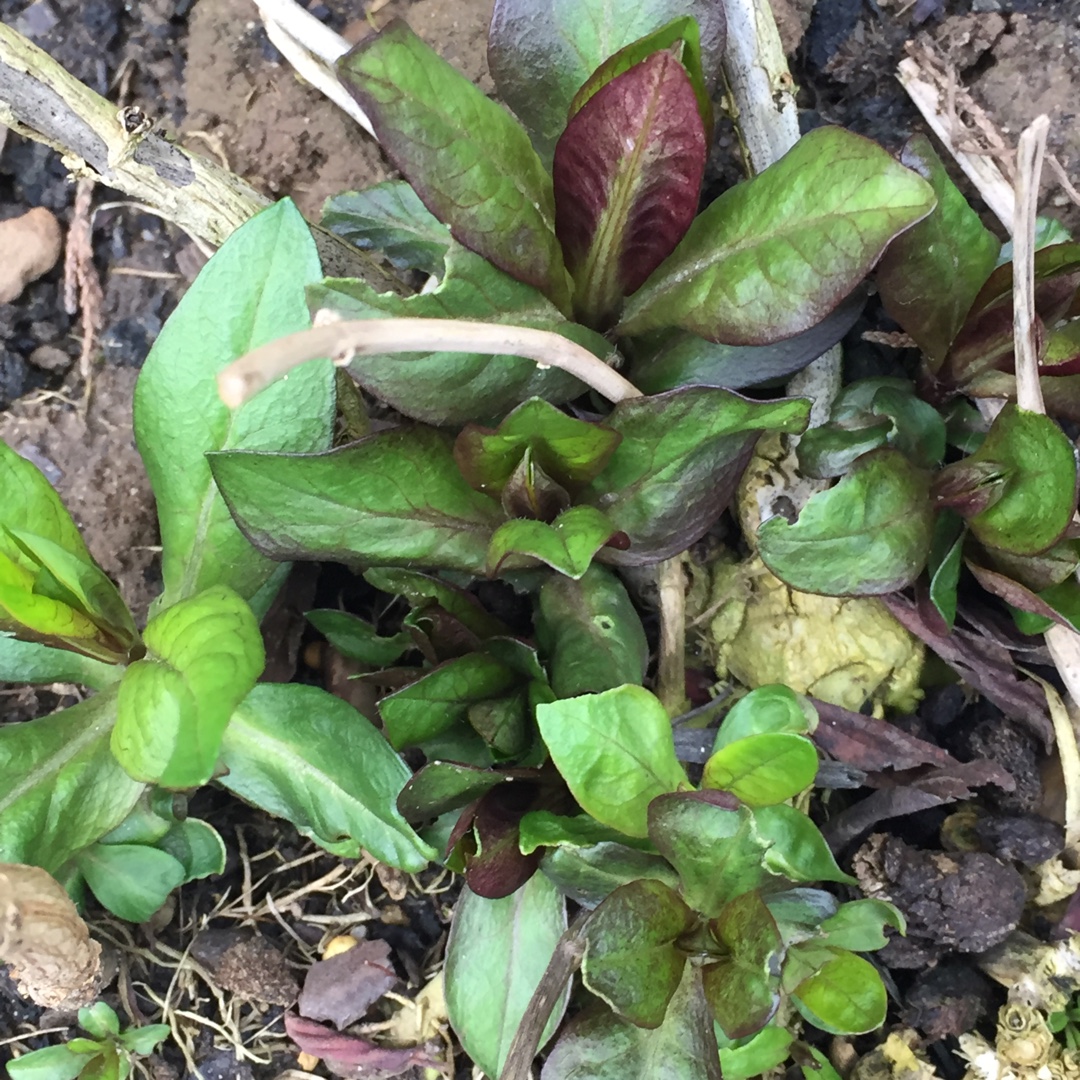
(308, 757)
(589, 874)
(541, 54)
(389, 217)
(776, 254)
(469, 161)
(930, 275)
(205, 655)
(767, 709)
(615, 751)
(32, 662)
(455, 388)
(251, 292)
(61, 789)
(591, 633)
(497, 951)
(393, 498)
(868, 535)
(632, 960)
(679, 462)
(597, 1045)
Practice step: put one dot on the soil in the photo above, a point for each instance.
(208, 74)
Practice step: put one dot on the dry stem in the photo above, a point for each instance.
(245, 377)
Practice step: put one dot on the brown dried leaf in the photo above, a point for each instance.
(46, 942)
(342, 988)
(353, 1057)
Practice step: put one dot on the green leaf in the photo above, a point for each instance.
(678, 464)
(147, 823)
(350, 506)
(251, 292)
(442, 786)
(616, 753)
(469, 161)
(205, 655)
(830, 450)
(301, 754)
(767, 709)
(797, 849)
(542, 56)
(31, 504)
(439, 700)
(867, 536)
(632, 960)
(61, 789)
(588, 874)
(131, 880)
(359, 640)
(100, 1020)
(80, 584)
(761, 770)
(389, 217)
(860, 925)
(845, 996)
(567, 545)
(144, 1040)
(930, 275)
(52, 1063)
(497, 951)
(743, 987)
(591, 633)
(772, 256)
(597, 1045)
(944, 562)
(1038, 465)
(716, 849)
(456, 388)
(197, 846)
(571, 451)
(821, 1069)
(756, 1056)
(542, 828)
(32, 662)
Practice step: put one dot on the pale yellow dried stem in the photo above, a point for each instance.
(344, 341)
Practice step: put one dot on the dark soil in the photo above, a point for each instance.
(207, 72)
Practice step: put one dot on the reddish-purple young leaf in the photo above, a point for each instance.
(342, 988)
(350, 1056)
(627, 175)
(498, 868)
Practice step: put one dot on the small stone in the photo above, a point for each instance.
(50, 358)
(31, 245)
(985, 7)
(127, 341)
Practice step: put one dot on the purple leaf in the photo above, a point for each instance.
(343, 988)
(350, 1056)
(627, 175)
(498, 868)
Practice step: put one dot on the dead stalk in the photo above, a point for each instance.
(343, 341)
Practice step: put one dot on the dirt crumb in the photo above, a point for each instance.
(31, 244)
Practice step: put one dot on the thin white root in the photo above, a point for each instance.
(244, 378)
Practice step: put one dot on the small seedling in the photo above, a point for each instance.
(108, 1053)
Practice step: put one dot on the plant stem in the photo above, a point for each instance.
(245, 377)
(671, 664)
